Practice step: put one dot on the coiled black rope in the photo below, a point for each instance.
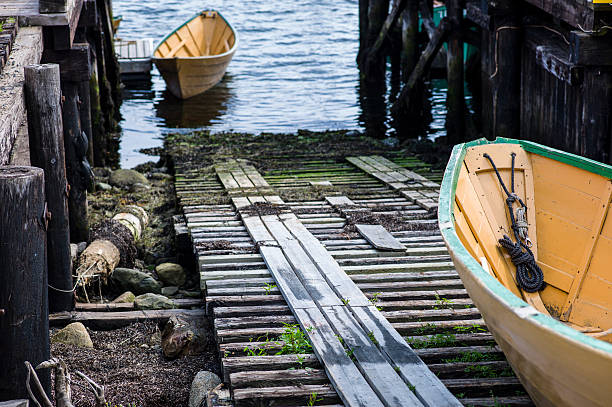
(529, 276)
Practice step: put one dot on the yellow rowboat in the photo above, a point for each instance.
(557, 339)
(193, 58)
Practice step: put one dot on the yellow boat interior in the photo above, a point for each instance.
(207, 34)
(570, 226)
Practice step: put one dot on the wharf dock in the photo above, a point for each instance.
(389, 320)
(134, 57)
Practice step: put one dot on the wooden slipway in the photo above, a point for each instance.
(294, 262)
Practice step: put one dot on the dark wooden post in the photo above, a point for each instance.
(505, 38)
(410, 31)
(85, 115)
(43, 99)
(372, 61)
(75, 145)
(455, 100)
(75, 75)
(363, 27)
(24, 325)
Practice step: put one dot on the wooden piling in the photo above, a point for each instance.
(504, 74)
(43, 99)
(75, 144)
(372, 61)
(24, 326)
(455, 100)
(410, 45)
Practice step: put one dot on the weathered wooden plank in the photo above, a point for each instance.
(426, 384)
(380, 238)
(286, 396)
(348, 381)
(27, 50)
(389, 386)
(339, 201)
(106, 320)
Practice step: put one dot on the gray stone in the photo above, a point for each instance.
(203, 382)
(81, 247)
(171, 274)
(153, 301)
(139, 187)
(171, 290)
(135, 281)
(103, 186)
(125, 178)
(73, 334)
(184, 336)
(74, 254)
(161, 176)
(126, 297)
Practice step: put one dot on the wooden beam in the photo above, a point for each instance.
(60, 37)
(75, 63)
(410, 43)
(52, 6)
(398, 7)
(427, 57)
(28, 50)
(594, 50)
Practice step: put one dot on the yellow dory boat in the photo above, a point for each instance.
(556, 334)
(193, 58)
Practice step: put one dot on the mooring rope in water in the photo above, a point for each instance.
(529, 276)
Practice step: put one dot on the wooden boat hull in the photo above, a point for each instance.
(186, 78)
(194, 57)
(558, 365)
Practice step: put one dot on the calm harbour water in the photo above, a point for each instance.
(294, 69)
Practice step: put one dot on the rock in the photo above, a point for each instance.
(159, 170)
(135, 281)
(171, 290)
(103, 186)
(81, 247)
(165, 260)
(153, 301)
(127, 296)
(190, 294)
(73, 334)
(74, 253)
(126, 178)
(161, 176)
(203, 382)
(139, 187)
(171, 274)
(184, 336)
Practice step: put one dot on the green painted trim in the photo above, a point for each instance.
(447, 228)
(199, 13)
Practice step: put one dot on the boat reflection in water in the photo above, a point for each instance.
(202, 110)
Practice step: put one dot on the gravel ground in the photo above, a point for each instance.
(129, 363)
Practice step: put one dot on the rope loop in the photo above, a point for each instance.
(529, 276)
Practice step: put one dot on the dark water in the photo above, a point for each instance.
(294, 69)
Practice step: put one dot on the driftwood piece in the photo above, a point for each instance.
(112, 245)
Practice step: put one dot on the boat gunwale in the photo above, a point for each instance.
(202, 57)
(504, 295)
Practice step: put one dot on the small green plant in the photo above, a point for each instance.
(374, 300)
(350, 353)
(434, 341)
(481, 371)
(340, 339)
(397, 369)
(460, 395)
(269, 287)
(443, 302)
(346, 301)
(471, 357)
(412, 388)
(474, 328)
(294, 340)
(372, 338)
(313, 399)
(422, 330)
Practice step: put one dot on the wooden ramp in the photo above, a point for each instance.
(386, 327)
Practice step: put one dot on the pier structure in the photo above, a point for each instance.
(537, 70)
(59, 100)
